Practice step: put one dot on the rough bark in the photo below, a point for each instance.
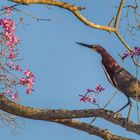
(51, 115)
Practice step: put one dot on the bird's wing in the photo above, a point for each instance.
(109, 78)
(124, 81)
(127, 83)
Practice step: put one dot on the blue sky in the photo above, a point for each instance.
(64, 69)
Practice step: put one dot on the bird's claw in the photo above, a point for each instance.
(117, 115)
(125, 122)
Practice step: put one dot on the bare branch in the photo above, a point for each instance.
(122, 40)
(93, 130)
(50, 114)
(118, 14)
(72, 8)
(51, 2)
(75, 11)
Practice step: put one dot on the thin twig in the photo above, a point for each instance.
(105, 105)
(137, 104)
(111, 21)
(118, 14)
(10, 6)
(28, 14)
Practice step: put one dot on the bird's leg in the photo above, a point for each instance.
(128, 103)
(130, 108)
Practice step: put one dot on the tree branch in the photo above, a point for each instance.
(51, 2)
(75, 11)
(50, 114)
(118, 14)
(72, 8)
(93, 130)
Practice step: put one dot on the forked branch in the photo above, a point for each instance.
(75, 10)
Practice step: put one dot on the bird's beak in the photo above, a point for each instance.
(86, 45)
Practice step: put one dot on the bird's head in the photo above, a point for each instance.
(106, 57)
(96, 48)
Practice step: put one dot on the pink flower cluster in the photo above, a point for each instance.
(98, 89)
(9, 31)
(28, 81)
(14, 67)
(85, 98)
(135, 52)
(8, 53)
(12, 54)
(89, 98)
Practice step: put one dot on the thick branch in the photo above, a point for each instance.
(93, 130)
(49, 115)
(51, 2)
(91, 24)
(72, 8)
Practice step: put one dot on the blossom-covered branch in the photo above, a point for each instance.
(9, 41)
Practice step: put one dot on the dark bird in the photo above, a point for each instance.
(119, 77)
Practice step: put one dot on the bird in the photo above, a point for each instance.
(118, 76)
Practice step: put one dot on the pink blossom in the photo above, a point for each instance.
(137, 50)
(22, 81)
(28, 81)
(99, 88)
(85, 98)
(28, 91)
(15, 96)
(12, 54)
(90, 94)
(9, 91)
(9, 40)
(28, 73)
(18, 68)
(8, 10)
(11, 65)
(9, 31)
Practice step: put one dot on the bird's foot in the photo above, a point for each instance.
(117, 115)
(125, 122)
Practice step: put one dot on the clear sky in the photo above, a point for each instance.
(64, 69)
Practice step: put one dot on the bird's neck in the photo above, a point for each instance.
(108, 60)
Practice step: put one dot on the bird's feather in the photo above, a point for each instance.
(106, 74)
(127, 83)
(123, 81)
